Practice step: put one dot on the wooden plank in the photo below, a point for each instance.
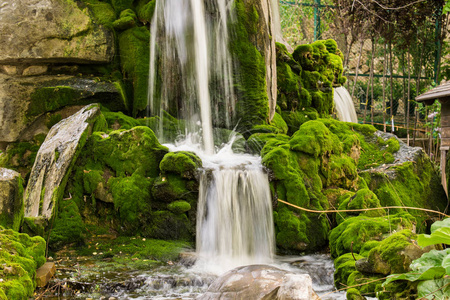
(45, 273)
(445, 142)
(445, 132)
(443, 175)
(445, 122)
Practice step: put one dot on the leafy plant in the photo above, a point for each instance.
(432, 270)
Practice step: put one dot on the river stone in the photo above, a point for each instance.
(51, 31)
(54, 161)
(260, 282)
(11, 199)
(24, 101)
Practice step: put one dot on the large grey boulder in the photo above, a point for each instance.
(11, 199)
(54, 161)
(260, 282)
(51, 31)
(25, 101)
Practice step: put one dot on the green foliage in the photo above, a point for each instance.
(432, 270)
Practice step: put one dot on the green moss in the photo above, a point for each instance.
(118, 120)
(128, 151)
(355, 231)
(145, 10)
(142, 248)
(134, 61)
(20, 156)
(366, 284)
(121, 5)
(127, 19)
(19, 258)
(179, 207)
(279, 123)
(344, 266)
(172, 187)
(167, 225)
(52, 120)
(290, 230)
(102, 12)
(131, 200)
(252, 107)
(354, 294)
(316, 139)
(68, 227)
(183, 163)
(294, 119)
(257, 140)
(47, 99)
(364, 198)
(390, 255)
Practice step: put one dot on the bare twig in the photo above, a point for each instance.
(362, 209)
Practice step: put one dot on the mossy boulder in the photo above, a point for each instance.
(20, 256)
(351, 234)
(183, 163)
(411, 179)
(134, 62)
(179, 207)
(392, 255)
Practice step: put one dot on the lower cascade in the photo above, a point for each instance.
(234, 213)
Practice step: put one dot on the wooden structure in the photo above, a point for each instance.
(441, 93)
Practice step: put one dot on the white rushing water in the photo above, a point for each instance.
(345, 109)
(189, 55)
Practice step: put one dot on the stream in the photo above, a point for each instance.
(106, 279)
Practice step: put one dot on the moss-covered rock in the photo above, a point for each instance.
(127, 19)
(11, 199)
(20, 256)
(250, 77)
(179, 207)
(183, 163)
(134, 61)
(351, 234)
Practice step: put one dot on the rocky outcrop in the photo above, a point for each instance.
(29, 104)
(11, 199)
(260, 282)
(51, 31)
(54, 161)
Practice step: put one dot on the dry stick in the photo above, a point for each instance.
(362, 209)
(357, 67)
(384, 88)
(409, 98)
(349, 287)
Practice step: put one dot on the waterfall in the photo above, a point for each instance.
(191, 76)
(345, 109)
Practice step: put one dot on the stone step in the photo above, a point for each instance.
(45, 273)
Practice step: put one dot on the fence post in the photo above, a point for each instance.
(317, 32)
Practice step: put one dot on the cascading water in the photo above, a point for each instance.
(345, 109)
(234, 220)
